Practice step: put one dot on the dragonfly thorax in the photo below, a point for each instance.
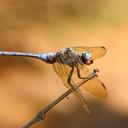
(68, 57)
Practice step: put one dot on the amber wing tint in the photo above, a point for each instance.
(97, 52)
(63, 73)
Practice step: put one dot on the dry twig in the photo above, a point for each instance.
(41, 115)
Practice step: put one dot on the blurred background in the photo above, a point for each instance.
(28, 85)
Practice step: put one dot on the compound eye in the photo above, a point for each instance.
(88, 62)
(86, 57)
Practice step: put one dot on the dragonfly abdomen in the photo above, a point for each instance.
(46, 57)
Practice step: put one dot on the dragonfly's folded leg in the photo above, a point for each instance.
(78, 73)
(70, 77)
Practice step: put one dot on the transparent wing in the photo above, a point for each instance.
(94, 86)
(63, 73)
(97, 52)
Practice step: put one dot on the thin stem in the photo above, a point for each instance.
(41, 115)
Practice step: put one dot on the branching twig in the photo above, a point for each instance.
(42, 113)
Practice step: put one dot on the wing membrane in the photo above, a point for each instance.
(63, 72)
(97, 52)
(94, 86)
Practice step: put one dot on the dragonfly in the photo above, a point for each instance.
(70, 64)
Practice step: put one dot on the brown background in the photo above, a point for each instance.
(28, 85)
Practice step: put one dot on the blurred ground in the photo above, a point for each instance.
(28, 85)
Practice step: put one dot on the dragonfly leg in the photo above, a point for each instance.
(78, 73)
(69, 80)
(69, 77)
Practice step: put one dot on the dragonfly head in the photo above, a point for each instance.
(86, 57)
